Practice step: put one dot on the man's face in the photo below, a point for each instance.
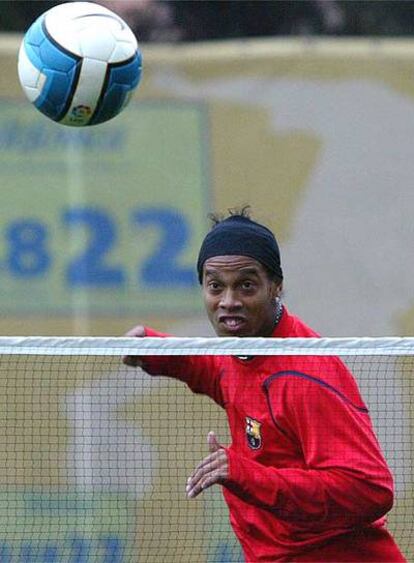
(239, 296)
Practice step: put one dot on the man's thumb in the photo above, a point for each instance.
(213, 444)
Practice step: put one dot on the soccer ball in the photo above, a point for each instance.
(79, 63)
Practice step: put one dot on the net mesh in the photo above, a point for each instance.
(94, 456)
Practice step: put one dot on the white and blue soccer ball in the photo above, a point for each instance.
(79, 63)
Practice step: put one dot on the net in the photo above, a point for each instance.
(94, 456)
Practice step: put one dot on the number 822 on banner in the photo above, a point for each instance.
(28, 248)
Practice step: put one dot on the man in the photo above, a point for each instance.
(304, 477)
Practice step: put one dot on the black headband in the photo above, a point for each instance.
(239, 235)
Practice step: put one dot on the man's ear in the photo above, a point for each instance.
(277, 289)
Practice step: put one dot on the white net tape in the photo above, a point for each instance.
(108, 346)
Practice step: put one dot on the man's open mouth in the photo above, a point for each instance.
(232, 323)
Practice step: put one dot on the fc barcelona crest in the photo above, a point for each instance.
(253, 434)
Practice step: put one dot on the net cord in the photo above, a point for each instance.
(176, 346)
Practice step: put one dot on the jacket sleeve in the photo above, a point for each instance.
(201, 373)
(344, 480)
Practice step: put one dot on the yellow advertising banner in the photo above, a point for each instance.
(107, 218)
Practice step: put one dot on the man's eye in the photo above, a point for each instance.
(247, 285)
(214, 285)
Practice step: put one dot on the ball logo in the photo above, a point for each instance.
(253, 434)
(80, 113)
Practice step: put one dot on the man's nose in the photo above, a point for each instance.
(230, 300)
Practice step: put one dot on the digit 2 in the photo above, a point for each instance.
(161, 268)
(90, 268)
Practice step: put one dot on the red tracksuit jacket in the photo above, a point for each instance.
(307, 479)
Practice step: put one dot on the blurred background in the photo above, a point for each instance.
(200, 20)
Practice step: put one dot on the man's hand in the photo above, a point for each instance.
(213, 469)
(134, 361)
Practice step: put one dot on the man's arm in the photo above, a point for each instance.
(345, 481)
(200, 373)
